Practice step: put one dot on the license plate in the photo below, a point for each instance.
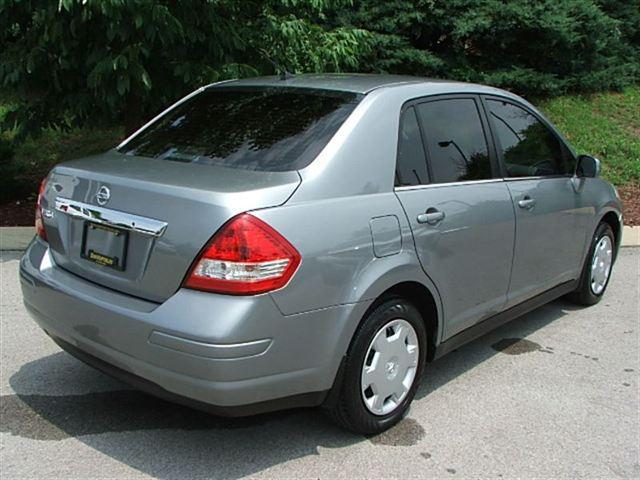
(106, 246)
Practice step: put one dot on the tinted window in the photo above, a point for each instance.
(411, 166)
(456, 145)
(529, 148)
(274, 129)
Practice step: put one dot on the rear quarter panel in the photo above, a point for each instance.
(338, 261)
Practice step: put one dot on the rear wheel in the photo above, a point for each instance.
(382, 369)
(596, 271)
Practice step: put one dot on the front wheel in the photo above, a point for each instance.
(382, 369)
(596, 271)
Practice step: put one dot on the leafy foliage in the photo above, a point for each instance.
(23, 164)
(535, 47)
(120, 60)
(70, 63)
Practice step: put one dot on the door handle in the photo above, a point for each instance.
(431, 216)
(527, 203)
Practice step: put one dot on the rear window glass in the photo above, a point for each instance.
(270, 129)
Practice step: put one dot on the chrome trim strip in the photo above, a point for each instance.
(162, 113)
(489, 180)
(168, 109)
(448, 184)
(113, 218)
(538, 177)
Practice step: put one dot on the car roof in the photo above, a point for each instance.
(349, 82)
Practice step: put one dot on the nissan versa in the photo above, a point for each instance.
(315, 240)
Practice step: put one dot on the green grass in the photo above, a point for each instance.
(606, 125)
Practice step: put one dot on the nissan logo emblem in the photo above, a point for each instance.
(103, 195)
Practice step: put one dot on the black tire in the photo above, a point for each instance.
(347, 407)
(584, 294)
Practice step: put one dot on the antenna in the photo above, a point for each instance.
(283, 73)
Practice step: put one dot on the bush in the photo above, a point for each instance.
(24, 164)
(115, 61)
(534, 47)
(8, 188)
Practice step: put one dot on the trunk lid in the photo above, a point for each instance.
(169, 211)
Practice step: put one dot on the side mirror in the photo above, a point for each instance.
(588, 166)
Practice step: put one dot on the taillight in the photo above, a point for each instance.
(40, 231)
(245, 257)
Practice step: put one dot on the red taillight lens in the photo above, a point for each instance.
(39, 224)
(245, 257)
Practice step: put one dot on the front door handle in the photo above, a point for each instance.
(527, 203)
(432, 216)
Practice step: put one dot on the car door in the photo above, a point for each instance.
(538, 170)
(461, 216)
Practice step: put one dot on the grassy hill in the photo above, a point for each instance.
(606, 125)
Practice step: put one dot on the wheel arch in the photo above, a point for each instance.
(427, 302)
(611, 218)
(422, 298)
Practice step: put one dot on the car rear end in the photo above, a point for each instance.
(152, 261)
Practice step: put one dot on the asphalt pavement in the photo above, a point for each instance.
(554, 394)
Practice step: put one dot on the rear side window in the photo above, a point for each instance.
(456, 144)
(529, 148)
(411, 166)
(270, 129)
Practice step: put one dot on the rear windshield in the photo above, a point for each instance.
(270, 129)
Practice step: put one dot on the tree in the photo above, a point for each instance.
(535, 47)
(121, 60)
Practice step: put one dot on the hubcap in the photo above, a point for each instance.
(601, 265)
(390, 366)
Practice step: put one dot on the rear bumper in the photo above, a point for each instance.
(221, 351)
(301, 400)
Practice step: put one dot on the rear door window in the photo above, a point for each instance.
(253, 128)
(529, 148)
(456, 144)
(411, 165)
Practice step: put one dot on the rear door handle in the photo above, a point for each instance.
(431, 216)
(527, 203)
